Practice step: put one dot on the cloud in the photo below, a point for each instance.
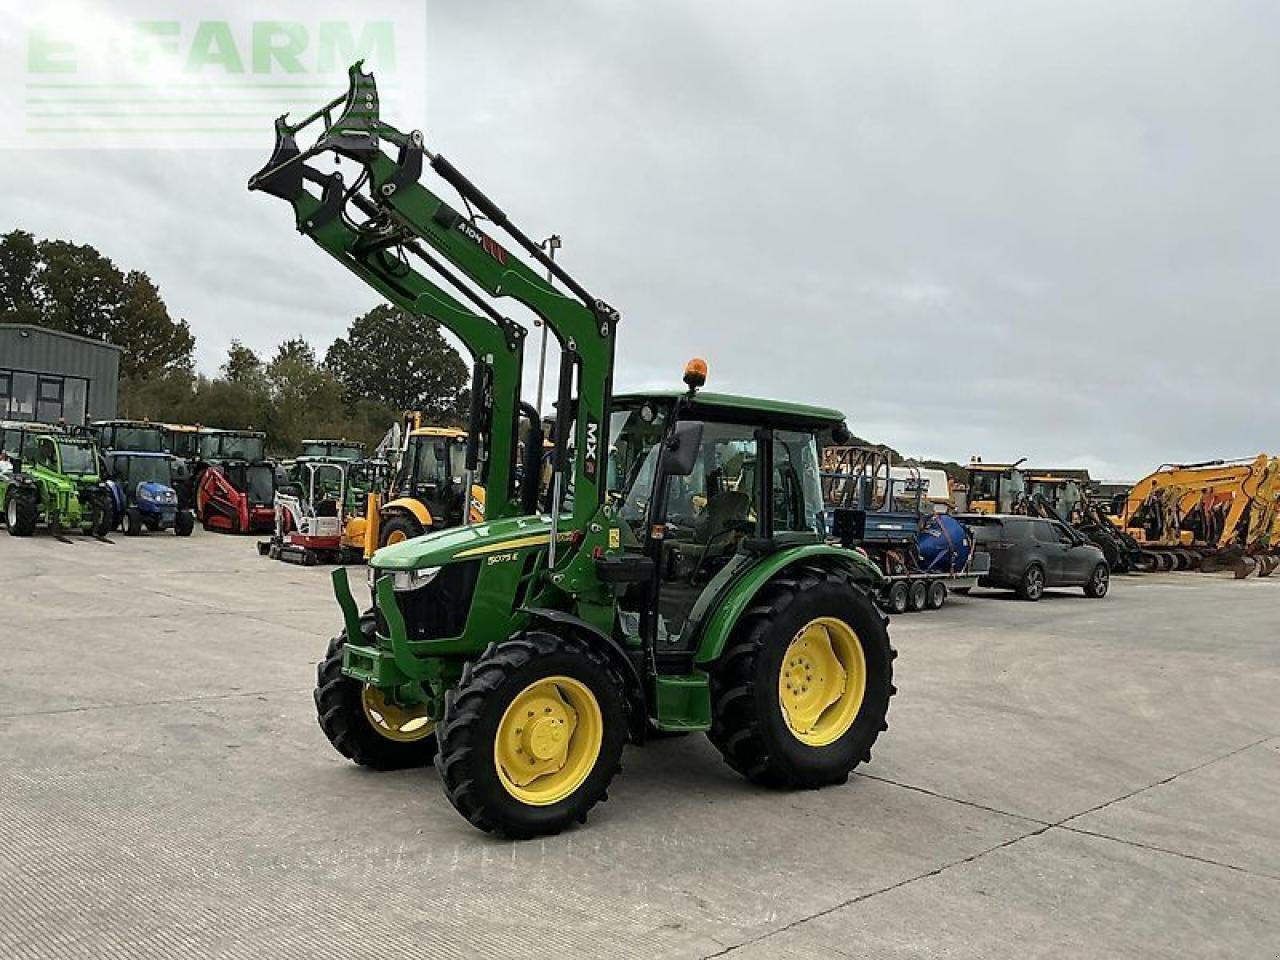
(1008, 230)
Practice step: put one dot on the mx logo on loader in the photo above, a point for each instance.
(592, 449)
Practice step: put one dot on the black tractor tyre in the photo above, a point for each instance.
(402, 522)
(897, 599)
(748, 725)
(1031, 586)
(937, 595)
(917, 596)
(474, 709)
(340, 711)
(183, 523)
(131, 522)
(22, 511)
(1099, 582)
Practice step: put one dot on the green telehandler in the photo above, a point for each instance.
(679, 578)
(58, 480)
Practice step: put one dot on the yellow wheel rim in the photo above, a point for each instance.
(396, 536)
(401, 724)
(822, 681)
(548, 740)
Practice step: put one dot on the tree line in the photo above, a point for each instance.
(388, 361)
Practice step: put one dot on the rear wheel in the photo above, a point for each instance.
(937, 595)
(917, 596)
(532, 735)
(362, 723)
(1031, 586)
(1099, 582)
(21, 511)
(398, 529)
(802, 689)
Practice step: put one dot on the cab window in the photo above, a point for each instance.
(797, 482)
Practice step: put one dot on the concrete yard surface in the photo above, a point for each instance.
(1073, 778)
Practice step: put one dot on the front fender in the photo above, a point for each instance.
(611, 648)
(742, 591)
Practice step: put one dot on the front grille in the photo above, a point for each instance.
(438, 610)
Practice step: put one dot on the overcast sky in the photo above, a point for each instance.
(1008, 229)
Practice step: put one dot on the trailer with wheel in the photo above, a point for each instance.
(924, 554)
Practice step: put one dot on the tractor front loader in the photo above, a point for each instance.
(680, 580)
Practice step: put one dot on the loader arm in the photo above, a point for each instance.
(584, 326)
(379, 255)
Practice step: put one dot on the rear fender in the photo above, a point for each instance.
(560, 621)
(741, 592)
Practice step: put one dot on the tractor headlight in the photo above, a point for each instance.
(404, 581)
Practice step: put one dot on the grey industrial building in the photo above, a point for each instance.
(47, 375)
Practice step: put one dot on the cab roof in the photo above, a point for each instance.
(706, 402)
(140, 454)
(453, 432)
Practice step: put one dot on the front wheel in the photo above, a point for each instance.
(363, 723)
(21, 512)
(1031, 586)
(131, 522)
(398, 529)
(802, 689)
(1099, 582)
(532, 735)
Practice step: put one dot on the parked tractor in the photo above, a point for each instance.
(141, 436)
(236, 485)
(57, 481)
(668, 589)
(144, 489)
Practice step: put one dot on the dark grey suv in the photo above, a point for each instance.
(1029, 554)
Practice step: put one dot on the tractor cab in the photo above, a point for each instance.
(134, 435)
(18, 437)
(995, 487)
(702, 486)
(332, 449)
(236, 489)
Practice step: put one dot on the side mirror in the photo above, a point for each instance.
(681, 454)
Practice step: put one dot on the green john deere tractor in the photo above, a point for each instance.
(58, 480)
(680, 578)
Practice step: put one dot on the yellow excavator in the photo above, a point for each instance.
(1209, 516)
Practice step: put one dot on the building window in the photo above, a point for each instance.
(30, 396)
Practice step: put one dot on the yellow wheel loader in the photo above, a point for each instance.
(428, 490)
